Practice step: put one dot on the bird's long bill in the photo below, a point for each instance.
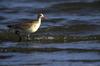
(45, 17)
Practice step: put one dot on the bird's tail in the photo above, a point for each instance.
(9, 26)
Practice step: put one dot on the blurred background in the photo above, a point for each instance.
(69, 37)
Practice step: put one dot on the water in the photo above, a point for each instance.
(69, 37)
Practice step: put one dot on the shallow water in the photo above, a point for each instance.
(50, 54)
(67, 19)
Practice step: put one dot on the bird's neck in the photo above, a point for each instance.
(39, 19)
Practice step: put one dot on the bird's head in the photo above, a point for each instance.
(40, 15)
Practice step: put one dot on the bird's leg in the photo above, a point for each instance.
(28, 36)
(19, 35)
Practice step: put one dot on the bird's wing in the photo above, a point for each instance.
(23, 25)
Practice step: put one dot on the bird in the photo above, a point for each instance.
(27, 27)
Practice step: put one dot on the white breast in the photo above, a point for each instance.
(34, 27)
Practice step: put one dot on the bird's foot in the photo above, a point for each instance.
(28, 38)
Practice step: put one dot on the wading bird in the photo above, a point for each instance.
(27, 27)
